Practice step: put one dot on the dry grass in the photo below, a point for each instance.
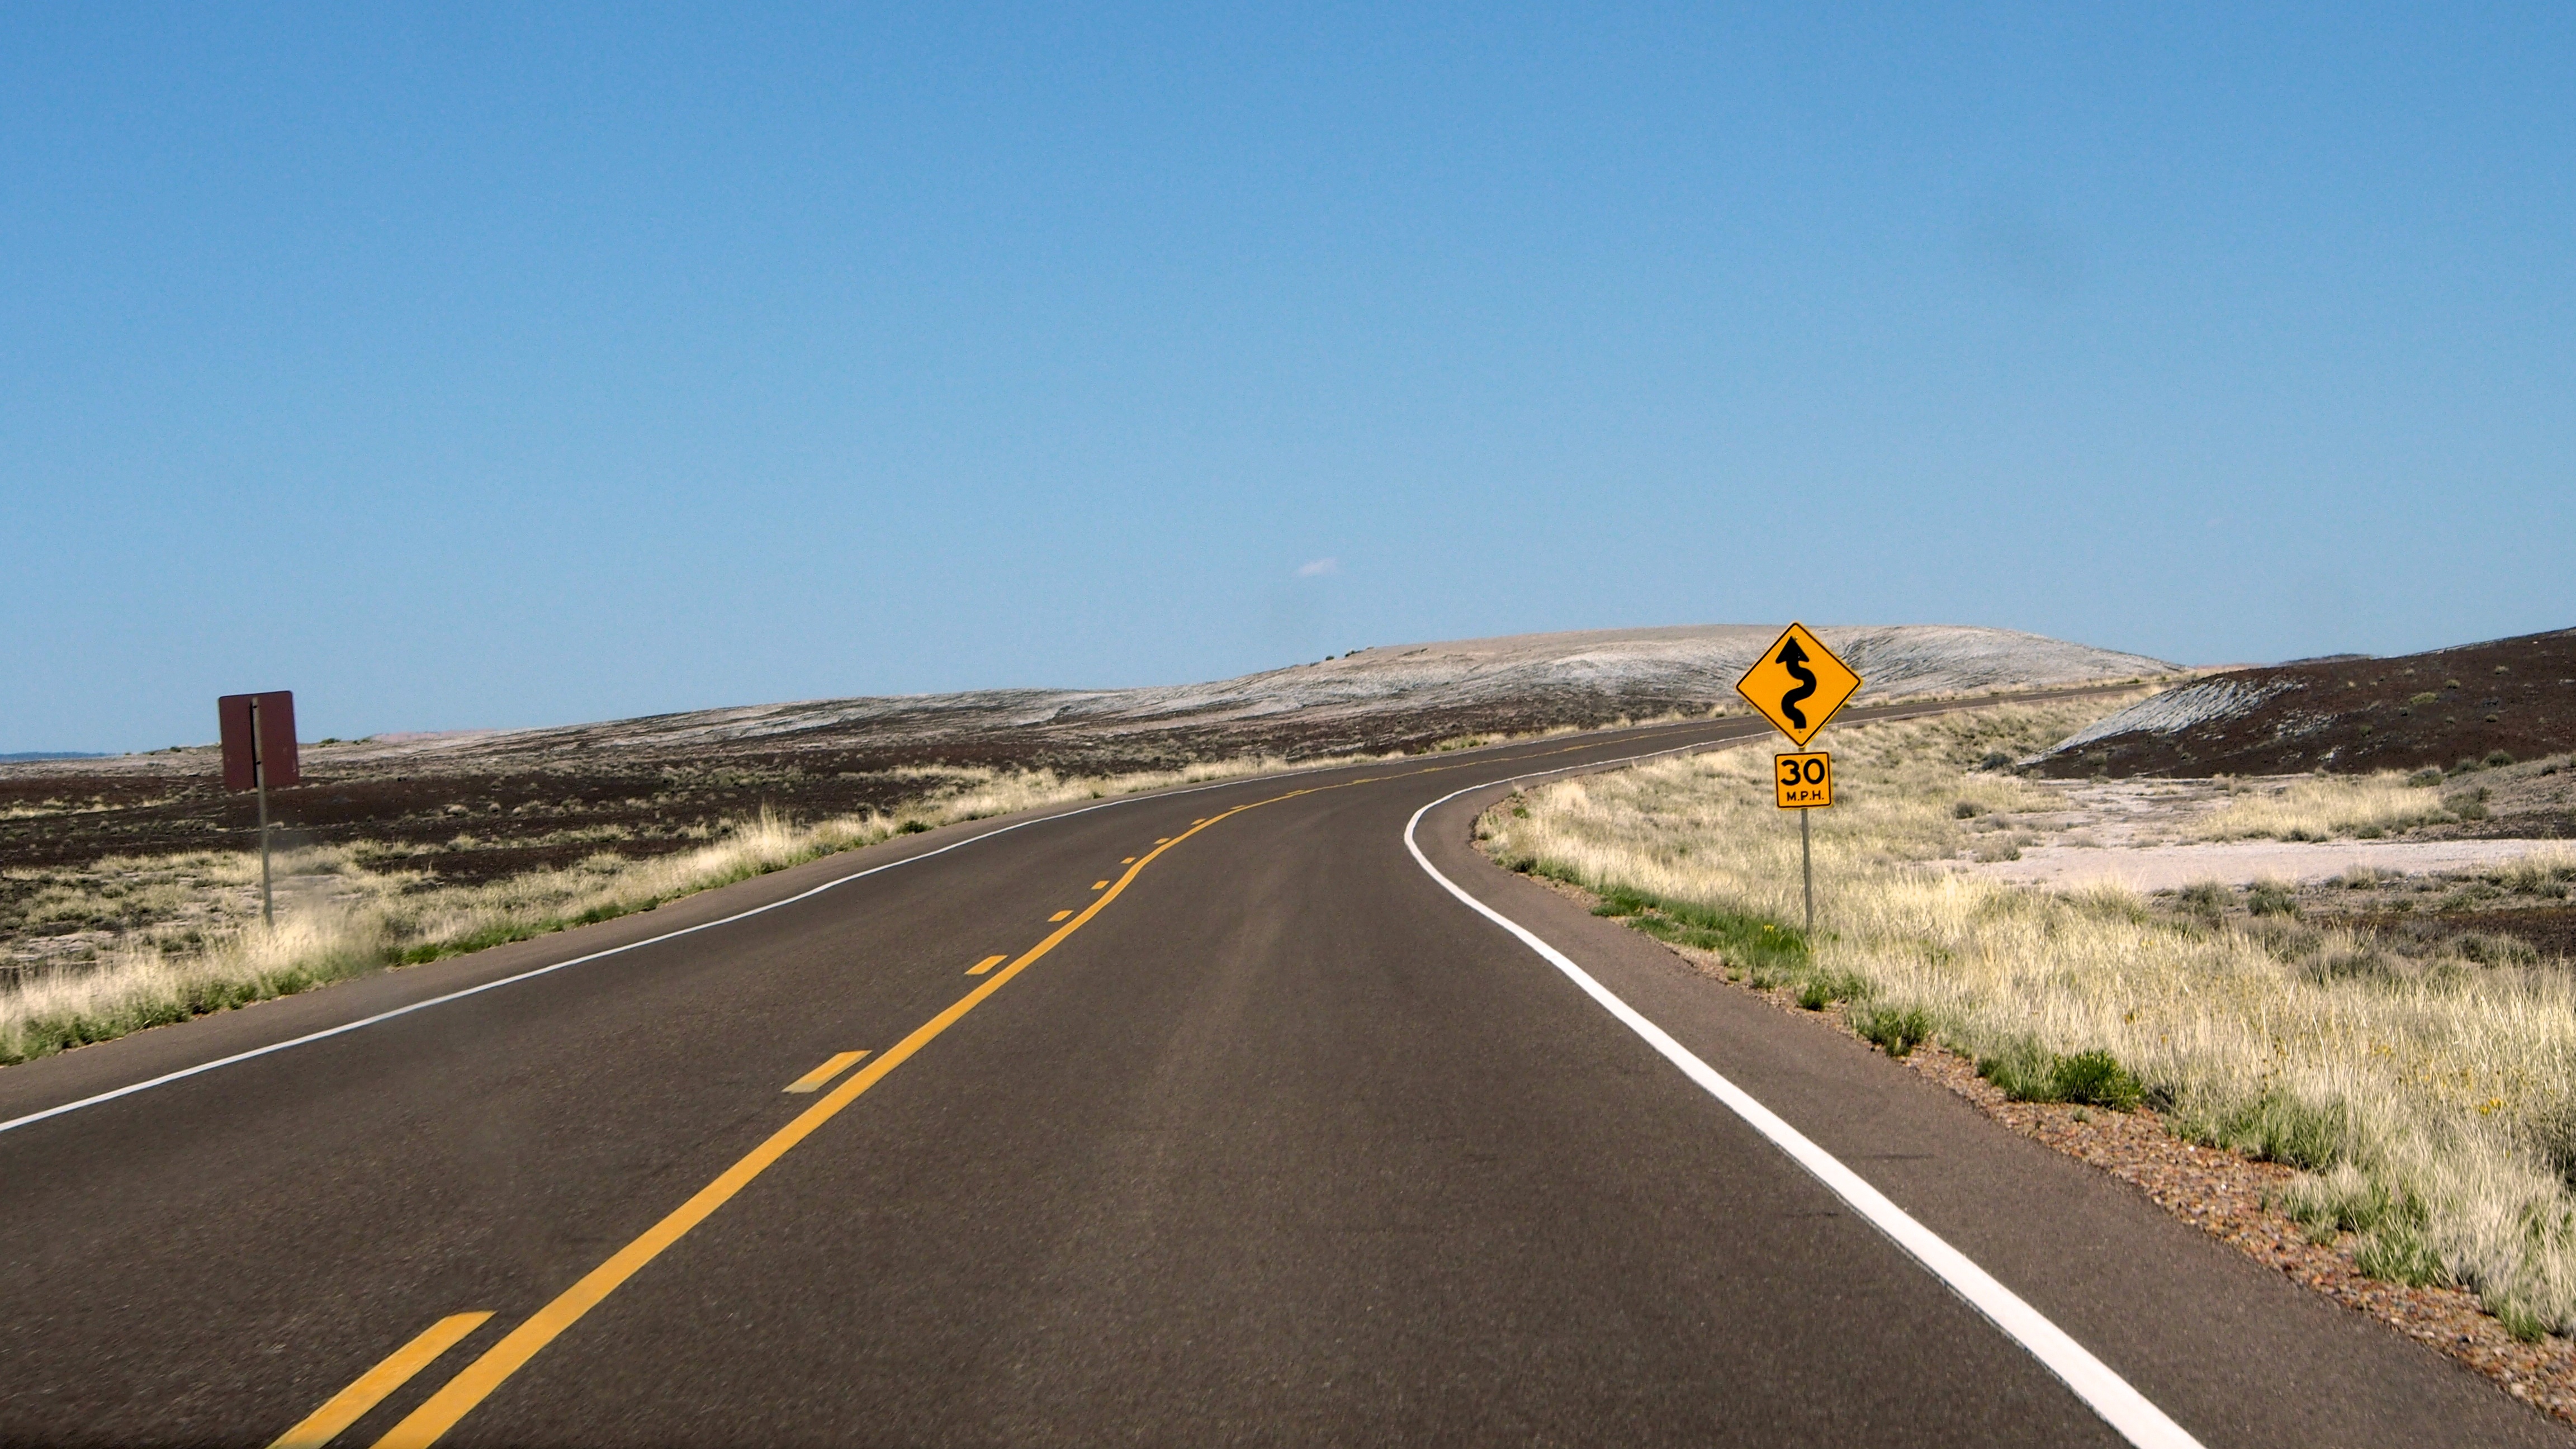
(180, 936)
(2325, 807)
(2433, 1103)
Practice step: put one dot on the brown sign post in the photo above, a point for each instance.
(259, 751)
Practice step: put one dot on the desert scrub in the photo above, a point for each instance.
(2324, 807)
(179, 939)
(2446, 1085)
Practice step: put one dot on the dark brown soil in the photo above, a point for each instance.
(519, 805)
(2550, 931)
(2359, 714)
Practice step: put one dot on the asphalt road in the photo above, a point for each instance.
(1268, 1139)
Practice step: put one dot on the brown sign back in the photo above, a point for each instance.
(266, 754)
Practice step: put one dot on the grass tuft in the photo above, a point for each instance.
(1768, 951)
(2272, 898)
(2324, 808)
(1826, 988)
(1895, 1030)
(2029, 1072)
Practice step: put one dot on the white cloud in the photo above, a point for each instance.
(1319, 568)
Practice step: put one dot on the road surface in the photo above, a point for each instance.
(1247, 1130)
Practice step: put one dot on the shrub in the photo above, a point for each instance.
(2497, 759)
(2027, 1072)
(2541, 874)
(1966, 810)
(2207, 899)
(2022, 1069)
(2280, 1128)
(2272, 898)
(1894, 1030)
(2519, 1320)
(2488, 948)
(2361, 963)
(2096, 1079)
(1823, 990)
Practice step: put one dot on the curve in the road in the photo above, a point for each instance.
(2121, 1406)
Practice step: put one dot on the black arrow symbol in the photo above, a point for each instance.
(1794, 659)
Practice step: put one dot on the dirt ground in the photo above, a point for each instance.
(2417, 891)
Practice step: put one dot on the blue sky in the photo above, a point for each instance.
(462, 368)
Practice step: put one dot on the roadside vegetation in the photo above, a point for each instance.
(166, 938)
(2427, 1093)
(2335, 807)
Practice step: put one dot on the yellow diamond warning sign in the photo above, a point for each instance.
(1798, 684)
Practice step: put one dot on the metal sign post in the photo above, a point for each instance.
(268, 900)
(259, 751)
(1798, 685)
(1802, 783)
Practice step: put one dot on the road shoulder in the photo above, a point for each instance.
(2235, 1351)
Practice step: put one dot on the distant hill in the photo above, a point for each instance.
(23, 755)
(533, 798)
(1391, 697)
(2344, 713)
(1368, 699)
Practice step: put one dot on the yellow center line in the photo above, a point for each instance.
(1131, 860)
(832, 1067)
(1100, 885)
(443, 1410)
(426, 1424)
(352, 1403)
(987, 964)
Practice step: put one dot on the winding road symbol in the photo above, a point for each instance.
(1794, 659)
(1798, 684)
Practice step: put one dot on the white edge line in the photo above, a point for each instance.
(345, 1027)
(2130, 1413)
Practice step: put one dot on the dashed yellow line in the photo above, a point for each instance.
(987, 964)
(832, 1067)
(441, 1412)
